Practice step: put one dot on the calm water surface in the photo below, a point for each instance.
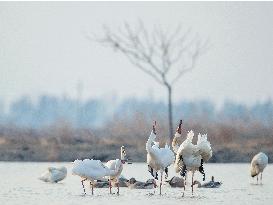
(19, 185)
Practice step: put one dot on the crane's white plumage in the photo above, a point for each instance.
(158, 159)
(92, 170)
(191, 156)
(175, 144)
(204, 147)
(190, 153)
(54, 175)
(258, 163)
(116, 165)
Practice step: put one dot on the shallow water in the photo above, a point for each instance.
(19, 185)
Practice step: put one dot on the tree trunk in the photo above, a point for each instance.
(170, 112)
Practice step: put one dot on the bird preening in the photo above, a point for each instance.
(94, 170)
(258, 164)
(190, 157)
(158, 158)
(185, 156)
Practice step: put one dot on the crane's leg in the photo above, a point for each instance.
(160, 183)
(201, 170)
(192, 183)
(184, 187)
(110, 186)
(261, 179)
(154, 185)
(83, 186)
(92, 187)
(118, 188)
(166, 172)
(150, 169)
(183, 172)
(156, 176)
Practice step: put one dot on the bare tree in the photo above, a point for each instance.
(164, 55)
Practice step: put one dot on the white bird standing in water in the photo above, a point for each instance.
(258, 163)
(112, 164)
(92, 170)
(158, 159)
(190, 157)
(54, 175)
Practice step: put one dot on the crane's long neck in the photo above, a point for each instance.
(175, 144)
(122, 153)
(150, 142)
(118, 169)
(254, 170)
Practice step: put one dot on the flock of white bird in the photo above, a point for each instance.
(186, 157)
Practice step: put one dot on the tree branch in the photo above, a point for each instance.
(156, 52)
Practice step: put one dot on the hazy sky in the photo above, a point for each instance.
(43, 49)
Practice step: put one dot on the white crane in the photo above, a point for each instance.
(190, 157)
(92, 170)
(112, 165)
(258, 163)
(54, 175)
(158, 159)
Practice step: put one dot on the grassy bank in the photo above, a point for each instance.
(236, 142)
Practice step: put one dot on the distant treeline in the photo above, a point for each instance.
(62, 129)
(93, 113)
(231, 142)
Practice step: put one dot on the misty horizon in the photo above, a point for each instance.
(43, 50)
(97, 112)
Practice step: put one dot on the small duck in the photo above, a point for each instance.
(101, 184)
(134, 184)
(176, 182)
(122, 181)
(211, 184)
(104, 183)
